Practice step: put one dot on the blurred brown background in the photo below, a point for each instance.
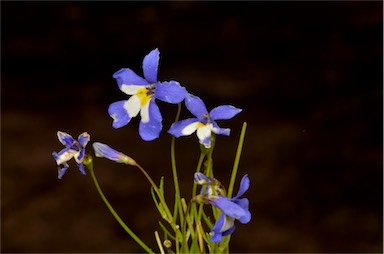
(308, 76)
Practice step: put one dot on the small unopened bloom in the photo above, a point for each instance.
(202, 179)
(204, 122)
(73, 149)
(102, 150)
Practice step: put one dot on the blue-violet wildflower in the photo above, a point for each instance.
(102, 150)
(204, 123)
(143, 93)
(232, 208)
(73, 148)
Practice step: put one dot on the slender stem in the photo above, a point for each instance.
(117, 217)
(209, 172)
(237, 160)
(161, 197)
(178, 207)
(159, 242)
(184, 230)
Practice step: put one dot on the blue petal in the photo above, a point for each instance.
(224, 112)
(195, 105)
(63, 156)
(119, 114)
(216, 238)
(80, 156)
(65, 138)
(244, 186)
(84, 139)
(229, 231)
(62, 168)
(81, 168)
(206, 142)
(150, 66)
(126, 76)
(244, 203)
(151, 129)
(216, 230)
(178, 129)
(220, 131)
(217, 234)
(228, 207)
(171, 92)
(102, 150)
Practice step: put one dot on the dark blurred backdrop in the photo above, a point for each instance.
(308, 76)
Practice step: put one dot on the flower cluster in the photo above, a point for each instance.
(143, 93)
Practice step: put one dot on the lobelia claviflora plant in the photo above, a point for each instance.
(203, 223)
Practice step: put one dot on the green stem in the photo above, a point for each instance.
(117, 217)
(184, 231)
(237, 160)
(161, 197)
(178, 207)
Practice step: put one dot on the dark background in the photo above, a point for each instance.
(308, 76)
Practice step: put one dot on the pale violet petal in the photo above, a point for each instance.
(84, 139)
(202, 179)
(204, 134)
(133, 106)
(64, 138)
(144, 113)
(64, 155)
(150, 65)
(229, 222)
(229, 231)
(131, 89)
(184, 128)
(79, 156)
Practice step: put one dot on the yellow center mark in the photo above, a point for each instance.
(142, 93)
(199, 125)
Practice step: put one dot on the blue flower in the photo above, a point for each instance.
(232, 208)
(102, 150)
(204, 123)
(73, 148)
(143, 93)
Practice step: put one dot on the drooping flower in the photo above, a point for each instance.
(143, 93)
(231, 208)
(73, 148)
(103, 150)
(204, 123)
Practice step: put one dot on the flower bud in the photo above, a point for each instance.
(102, 150)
